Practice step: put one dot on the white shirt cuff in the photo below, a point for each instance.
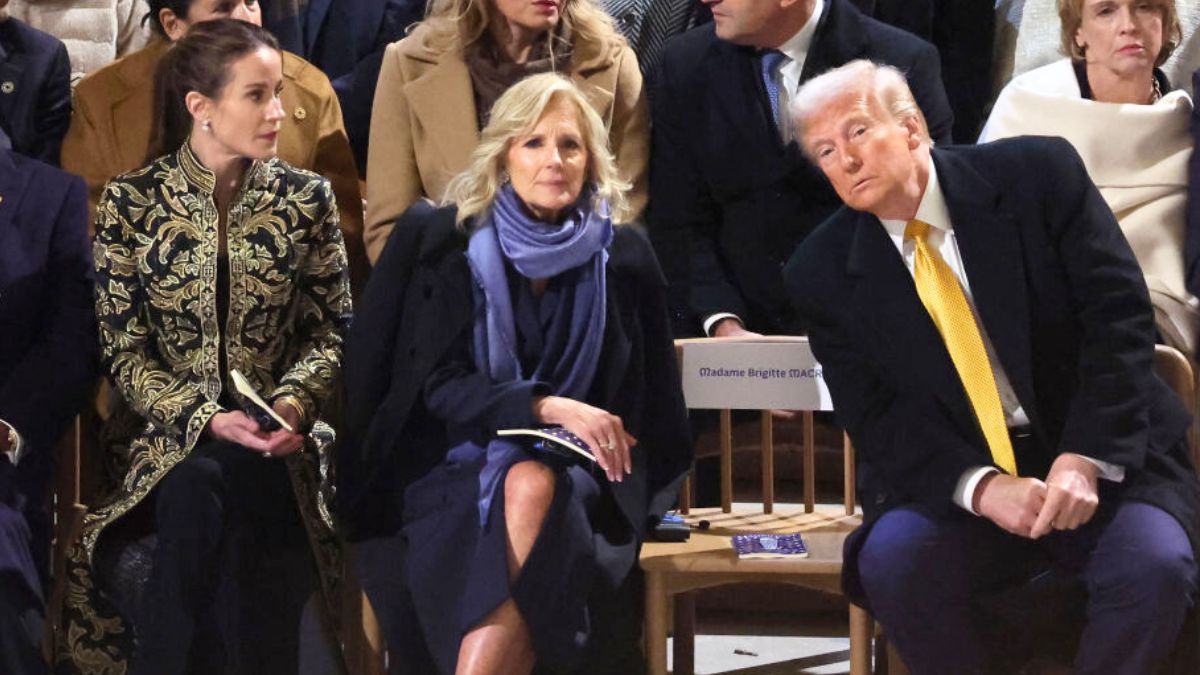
(1113, 472)
(14, 453)
(714, 318)
(964, 491)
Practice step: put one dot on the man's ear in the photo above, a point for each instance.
(173, 25)
(913, 130)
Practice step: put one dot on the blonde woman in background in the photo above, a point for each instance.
(438, 84)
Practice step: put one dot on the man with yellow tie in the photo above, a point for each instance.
(988, 339)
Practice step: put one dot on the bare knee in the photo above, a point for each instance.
(528, 492)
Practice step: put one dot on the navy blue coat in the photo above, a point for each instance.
(728, 201)
(346, 39)
(35, 90)
(1062, 299)
(48, 342)
(418, 304)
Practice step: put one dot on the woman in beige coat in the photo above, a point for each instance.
(438, 84)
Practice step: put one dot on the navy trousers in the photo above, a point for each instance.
(929, 581)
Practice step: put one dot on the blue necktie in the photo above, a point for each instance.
(770, 59)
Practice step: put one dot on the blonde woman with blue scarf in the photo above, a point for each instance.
(517, 304)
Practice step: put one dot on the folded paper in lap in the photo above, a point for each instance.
(769, 546)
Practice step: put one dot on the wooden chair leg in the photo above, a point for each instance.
(656, 624)
(861, 629)
(895, 665)
(684, 646)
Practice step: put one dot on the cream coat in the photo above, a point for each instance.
(423, 124)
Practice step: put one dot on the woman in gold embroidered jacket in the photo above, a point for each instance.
(214, 257)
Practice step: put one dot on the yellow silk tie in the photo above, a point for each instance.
(943, 298)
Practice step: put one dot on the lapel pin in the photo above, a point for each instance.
(300, 113)
(8, 87)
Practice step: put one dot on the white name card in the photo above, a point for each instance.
(753, 374)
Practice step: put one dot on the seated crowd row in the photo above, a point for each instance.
(539, 228)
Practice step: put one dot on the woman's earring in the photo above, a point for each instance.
(207, 126)
(504, 178)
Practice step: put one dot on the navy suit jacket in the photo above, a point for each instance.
(728, 201)
(346, 39)
(1062, 299)
(48, 339)
(35, 90)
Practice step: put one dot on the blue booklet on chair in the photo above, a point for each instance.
(770, 546)
(555, 441)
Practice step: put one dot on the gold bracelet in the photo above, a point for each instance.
(294, 404)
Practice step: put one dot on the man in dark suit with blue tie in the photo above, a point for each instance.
(730, 195)
(987, 337)
(47, 369)
(35, 89)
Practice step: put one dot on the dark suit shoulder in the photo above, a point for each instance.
(29, 39)
(888, 42)
(1031, 164)
(684, 55)
(43, 177)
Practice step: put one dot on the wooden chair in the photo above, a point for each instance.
(67, 510)
(674, 570)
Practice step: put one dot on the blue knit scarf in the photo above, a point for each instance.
(538, 250)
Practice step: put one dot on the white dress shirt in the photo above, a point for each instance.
(942, 238)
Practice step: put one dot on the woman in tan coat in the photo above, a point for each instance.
(438, 84)
(111, 122)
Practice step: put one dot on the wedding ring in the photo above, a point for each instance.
(610, 444)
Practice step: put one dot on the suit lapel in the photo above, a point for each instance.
(886, 300)
(442, 101)
(990, 244)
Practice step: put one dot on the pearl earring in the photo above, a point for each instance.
(207, 126)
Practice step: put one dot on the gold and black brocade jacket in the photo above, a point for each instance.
(289, 307)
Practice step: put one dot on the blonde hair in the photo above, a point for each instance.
(462, 23)
(1070, 16)
(515, 114)
(868, 80)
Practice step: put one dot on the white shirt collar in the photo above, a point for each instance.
(797, 46)
(932, 209)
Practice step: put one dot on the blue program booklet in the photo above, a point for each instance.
(769, 546)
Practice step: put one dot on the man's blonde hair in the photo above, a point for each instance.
(1070, 17)
(515, 114)
(885, 84)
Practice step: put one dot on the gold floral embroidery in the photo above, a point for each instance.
(156, 260)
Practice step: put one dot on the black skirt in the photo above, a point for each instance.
(577, 592)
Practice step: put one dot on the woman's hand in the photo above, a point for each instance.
(238, 427)
(601, 430)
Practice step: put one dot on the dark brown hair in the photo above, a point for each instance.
(200, 62)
